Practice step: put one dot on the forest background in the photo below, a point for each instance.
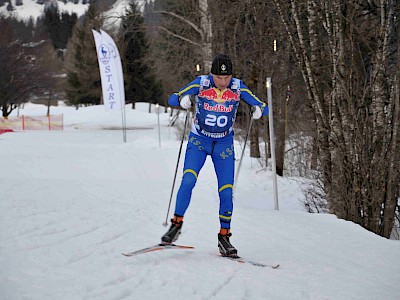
(334, 67)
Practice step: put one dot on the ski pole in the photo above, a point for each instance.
(177, 165)
(244, 148)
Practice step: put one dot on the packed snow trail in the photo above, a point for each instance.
(71, 202)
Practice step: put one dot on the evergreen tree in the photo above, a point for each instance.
(22, 31)
(51, 22)
(141, 83)
(83, 76)
(59, 26)
(10, 7)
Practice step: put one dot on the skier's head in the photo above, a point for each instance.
(221, 65)
(221, 70)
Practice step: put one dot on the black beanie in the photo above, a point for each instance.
(221, 65)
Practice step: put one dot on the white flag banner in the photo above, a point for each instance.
(112, 82)
(118, 65)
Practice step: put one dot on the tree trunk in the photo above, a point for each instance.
(206, 28)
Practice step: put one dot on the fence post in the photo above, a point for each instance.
(272, 142)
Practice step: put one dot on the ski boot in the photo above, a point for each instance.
(174, 231)
(225, 247)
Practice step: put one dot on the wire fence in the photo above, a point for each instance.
(50, 122)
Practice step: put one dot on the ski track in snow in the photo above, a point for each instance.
(72, 202)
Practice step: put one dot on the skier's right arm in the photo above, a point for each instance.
(190, 89)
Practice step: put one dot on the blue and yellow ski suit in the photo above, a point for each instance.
(212, 134)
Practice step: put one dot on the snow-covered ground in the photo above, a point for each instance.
(71, 202)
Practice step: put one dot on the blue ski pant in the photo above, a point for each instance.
(223, 157)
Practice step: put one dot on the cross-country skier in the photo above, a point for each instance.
(217, 98)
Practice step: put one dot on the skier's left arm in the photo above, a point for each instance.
(247, 95)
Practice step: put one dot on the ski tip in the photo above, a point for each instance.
(156, 248)
(251, 262)
(275, 266)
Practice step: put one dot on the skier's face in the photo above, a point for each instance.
(222, 81)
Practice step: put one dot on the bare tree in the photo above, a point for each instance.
(349, 60)
(202, 29)
(18, 76)
(175, 38)
(50, 67)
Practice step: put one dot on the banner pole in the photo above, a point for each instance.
(123, 115)
(158, 123)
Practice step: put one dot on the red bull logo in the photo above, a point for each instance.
(228, 95)
(210, 94)
(218, 95)
(218, 108)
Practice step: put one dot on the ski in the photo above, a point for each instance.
(157, 248)
(251, 262)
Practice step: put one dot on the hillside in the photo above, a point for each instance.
(32, 9)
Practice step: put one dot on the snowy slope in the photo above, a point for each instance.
(31, 9)
(71, 202)
(112, 17)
